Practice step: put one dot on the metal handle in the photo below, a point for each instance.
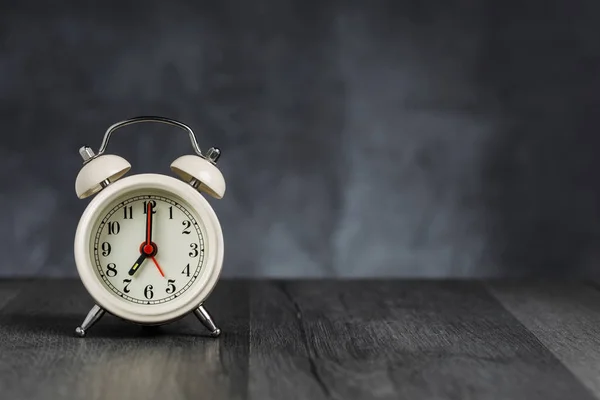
(137, 120)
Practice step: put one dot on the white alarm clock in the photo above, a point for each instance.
(149, 247)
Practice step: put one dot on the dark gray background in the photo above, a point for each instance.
(405, 138)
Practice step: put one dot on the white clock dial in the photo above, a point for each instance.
(186, 242)
(142, 271)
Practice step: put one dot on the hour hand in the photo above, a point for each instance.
(137, 264)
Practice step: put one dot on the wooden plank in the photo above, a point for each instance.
(396, 340)
(41, 359)
(565, 317)
(280, 366)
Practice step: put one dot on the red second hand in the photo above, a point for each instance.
(158, 266)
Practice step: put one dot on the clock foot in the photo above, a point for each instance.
(93, 316)
(207, 321)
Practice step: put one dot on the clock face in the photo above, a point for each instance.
(147, 247)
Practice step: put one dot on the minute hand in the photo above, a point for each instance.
(148, 247)
(149, 224)
(137, 264)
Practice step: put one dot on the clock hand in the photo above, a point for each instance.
(157, 266)
(137, 264)
(148, 247)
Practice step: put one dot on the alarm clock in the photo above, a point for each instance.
(149, 247)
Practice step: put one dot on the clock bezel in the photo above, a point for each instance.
(193, 297)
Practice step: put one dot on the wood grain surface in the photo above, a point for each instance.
(565, 317)
(310, 340)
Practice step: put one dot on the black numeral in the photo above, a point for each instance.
(111, 270)
(114, 228)
(171, 286)
(126, 282)
(170, 212)
(194, 252)
(152, 205)
(128, 212)
(148, 293)
(106, 249)
(186, 270)
(187, 225)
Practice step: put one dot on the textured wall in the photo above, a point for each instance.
(406, 138)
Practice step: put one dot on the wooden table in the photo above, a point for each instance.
(311, 340)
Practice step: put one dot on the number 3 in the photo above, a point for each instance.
(194, 252)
